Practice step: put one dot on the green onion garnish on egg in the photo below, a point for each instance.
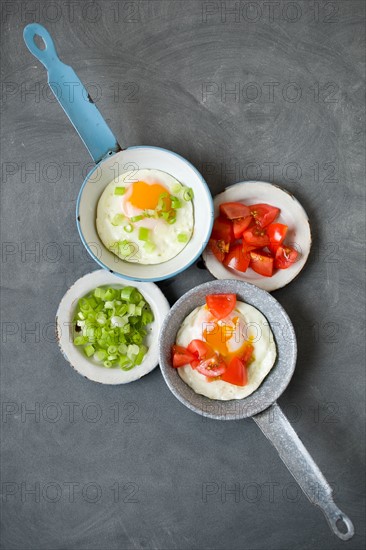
(175, 202)
(118, 219)
(188, 194)
(119, 190)
(144, 233)
(182, 237)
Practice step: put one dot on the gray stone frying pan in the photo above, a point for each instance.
(261, 405)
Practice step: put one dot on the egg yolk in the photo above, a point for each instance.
(218, 336)
(146, 196)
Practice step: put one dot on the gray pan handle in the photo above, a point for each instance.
(281, 434)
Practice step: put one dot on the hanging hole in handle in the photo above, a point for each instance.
(343, 527)
(39, 42)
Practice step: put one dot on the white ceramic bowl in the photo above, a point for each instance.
(292, 214)
(89, 368)
(132, 159)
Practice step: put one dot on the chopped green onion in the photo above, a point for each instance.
(131, 309)
(119, 190)
(149, 213)
(175, 202)
(118, 219)
(100, 355)
(144, 233)
(122, 349)
(101, 318)
(89, 350)
(111, 325)
(137, 218)
(132, 351)
(99, 293)
(172, 220)
(127, 292)
(110, 294)
(147, 317)
(161, 202)
(128, 228)
(141, 354)
(188, 194)
(182, 237)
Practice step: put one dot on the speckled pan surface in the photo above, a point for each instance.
(273, 385)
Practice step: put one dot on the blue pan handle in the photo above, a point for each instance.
(72, 96)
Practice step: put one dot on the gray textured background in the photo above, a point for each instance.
(148, 65)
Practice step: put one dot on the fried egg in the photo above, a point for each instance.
(130, 221)
(227, 337)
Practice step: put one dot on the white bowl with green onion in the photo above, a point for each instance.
(108, 328)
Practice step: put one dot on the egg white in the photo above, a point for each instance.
(163, 235)
(253, 325)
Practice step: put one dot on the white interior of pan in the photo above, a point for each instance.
(292, 214)
(137, 158)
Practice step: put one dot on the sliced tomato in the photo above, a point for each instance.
(219, 249)
(247, 353)
(262, 263)
(181, 356)
(234, 210)
(256, 236)
(222, 230)
(276, 233)
(240, 225)
(264, 214)
(200, 349)
(248, 247)
(236, 258)
(220, 305)
(285, 256)
(212, 367)
(236, 373)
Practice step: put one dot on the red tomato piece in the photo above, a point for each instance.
(220, 305)
(247, 353)
(236, 373)
(222, 230)
(240, 225)
(262, 263)
(181, 356)
(212, 367)
(256, 236)
(237, 258)
(219, 249)
(264, 214)
(276, 233)
(285, 256)
(200, 349)
(234, 210)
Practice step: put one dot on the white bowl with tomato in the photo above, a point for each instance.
(261, 235)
